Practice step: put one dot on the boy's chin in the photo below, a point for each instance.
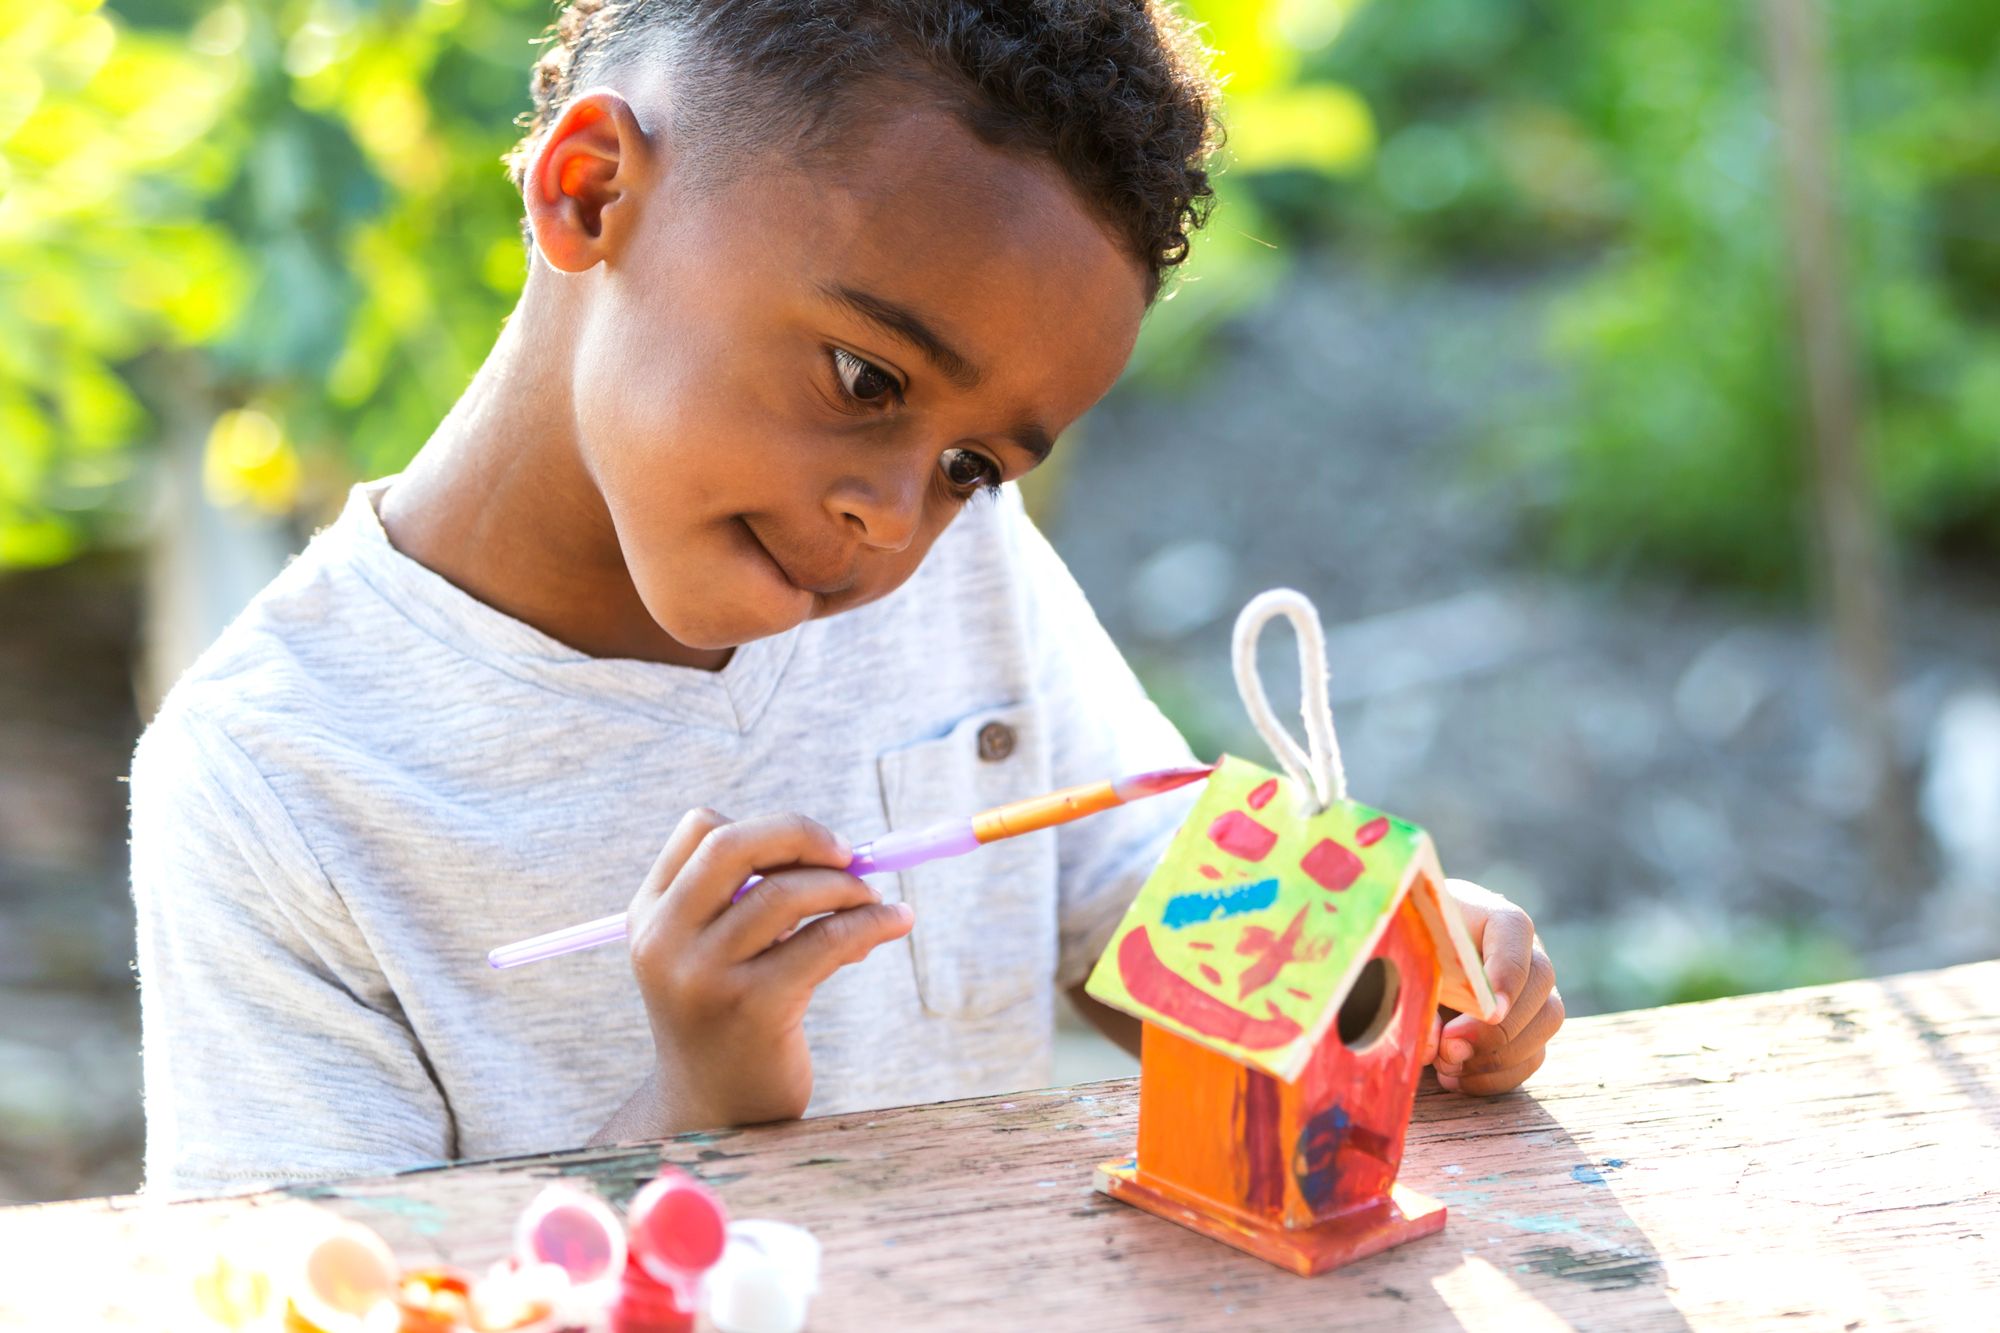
(724, 627)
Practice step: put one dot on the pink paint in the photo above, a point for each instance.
(1331, 866)
(579, 1234)
(676, 1228)
(1214, 977)
(1372, 832)
(1159, 780)
(1241, 836)
(1210, 871)
(1203, 945)
(1261, 797)
(1302, 994)
(1330, 907)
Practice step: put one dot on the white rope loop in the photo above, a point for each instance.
(1320, 772)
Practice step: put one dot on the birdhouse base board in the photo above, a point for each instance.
(1403, 1216)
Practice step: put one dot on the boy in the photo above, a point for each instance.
(722, 519)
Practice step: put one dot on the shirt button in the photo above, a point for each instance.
(996, 742)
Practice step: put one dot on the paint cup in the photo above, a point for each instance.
(245, 1273)
(574, 1230)
(677, 1231)
(340, 1277)
(765, 1280)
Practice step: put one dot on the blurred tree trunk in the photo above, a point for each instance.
(1853, 578)
(203, 564)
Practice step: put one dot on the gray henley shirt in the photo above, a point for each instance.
(372, 778)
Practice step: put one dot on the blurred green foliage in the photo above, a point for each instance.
(286, 221)
(103, 254)
(289, 218)
(1639, 140)
(1648, 959)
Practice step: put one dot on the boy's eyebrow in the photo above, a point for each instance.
(904, 324)
(1034, 439)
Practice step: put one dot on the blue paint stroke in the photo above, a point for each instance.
(1187, 909)
(1315, 1154)
(1587, 1174)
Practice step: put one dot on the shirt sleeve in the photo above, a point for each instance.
(1102, 725)
(273, 1048)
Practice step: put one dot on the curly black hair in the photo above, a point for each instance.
(1117, 93)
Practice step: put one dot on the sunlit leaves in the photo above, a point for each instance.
(248, 461)
(103, 254)
(310, 195)
(1285, 123)
(1316, 127)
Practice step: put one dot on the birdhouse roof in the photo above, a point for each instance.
(1251, 930)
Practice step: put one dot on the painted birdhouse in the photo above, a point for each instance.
(1287, 965)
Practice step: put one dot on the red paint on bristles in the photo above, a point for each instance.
(1159, 780)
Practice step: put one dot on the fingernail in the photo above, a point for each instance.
(843, 848)
(905, 911)
(1502, 1003)
(1458, 1052)
(1448, 1081)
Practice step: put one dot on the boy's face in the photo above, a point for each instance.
(788, 383)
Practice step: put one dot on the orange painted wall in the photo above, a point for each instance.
(1301, 1152)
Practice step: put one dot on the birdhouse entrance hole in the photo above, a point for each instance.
(1370, 1004)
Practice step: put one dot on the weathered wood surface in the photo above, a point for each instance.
(1823, 1158)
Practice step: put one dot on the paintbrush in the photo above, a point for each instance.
(900, 850)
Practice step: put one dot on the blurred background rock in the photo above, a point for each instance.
(1623, 382)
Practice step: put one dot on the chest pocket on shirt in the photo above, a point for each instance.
(985, 930)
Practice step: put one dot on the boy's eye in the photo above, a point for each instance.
(968, 469)
(864, 381)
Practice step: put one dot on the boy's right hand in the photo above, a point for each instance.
(726, 984)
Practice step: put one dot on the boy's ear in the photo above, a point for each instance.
(586, 178)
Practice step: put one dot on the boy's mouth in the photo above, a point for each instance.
(820, 583)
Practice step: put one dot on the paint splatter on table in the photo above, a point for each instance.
(1820, 1158)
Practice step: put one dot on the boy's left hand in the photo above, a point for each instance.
(1489, 1058)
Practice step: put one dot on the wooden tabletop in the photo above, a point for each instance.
(1821, 1158)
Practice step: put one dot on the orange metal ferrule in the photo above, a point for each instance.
(1038, 812)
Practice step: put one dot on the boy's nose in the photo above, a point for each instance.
(887, 510)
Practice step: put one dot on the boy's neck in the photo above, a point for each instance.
(498, 503)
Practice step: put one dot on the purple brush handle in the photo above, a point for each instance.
(900, 851)
(892, 851)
